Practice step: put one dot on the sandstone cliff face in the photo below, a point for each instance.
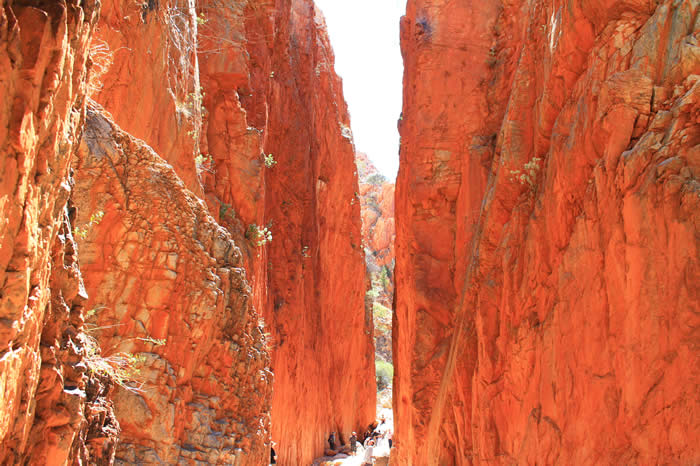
(556, 320)
(378, 234)
(167, 287)
(235, 47)
(323, 357)
(270, 90)
(170, 311)
(146, 75)
(267, 87)
(51, 409)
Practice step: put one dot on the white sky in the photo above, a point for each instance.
(365, 38)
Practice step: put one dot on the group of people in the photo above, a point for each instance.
(376, 433)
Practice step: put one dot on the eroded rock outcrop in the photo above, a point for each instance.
(279, 158)
(53, 409)
(146, 76)
(547, 249)
(167, 287)
(378, 234)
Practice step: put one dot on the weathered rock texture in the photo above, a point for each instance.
(235, 47)
(171, 312)
(51, 410)
(267, 87)
(146, 75)
(167, 287)
(378, 234)
(547, 234)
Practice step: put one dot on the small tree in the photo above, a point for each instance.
(384, 373)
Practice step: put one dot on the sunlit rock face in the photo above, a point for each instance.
(145, 74)
(261, 84)
(167, 286)
(279, 156)
(547, 217)
(52, 410)
(170, 179)
(323, 358)
(378, 234)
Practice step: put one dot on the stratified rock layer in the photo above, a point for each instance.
(167, 287)
(51, 410)
(547, 236)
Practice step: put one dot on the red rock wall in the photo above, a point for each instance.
(270, 88)
(235, 46)
(446, 148)
(323, 357)
(569, 333)
(255, 102)
(147, 77)
(52, 410)
(167, 287)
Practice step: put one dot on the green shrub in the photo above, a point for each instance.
(381, 311)
(83, 231)
(376, 179)
(385, 374)
(270, 160)
(528, 175)
(258, 235)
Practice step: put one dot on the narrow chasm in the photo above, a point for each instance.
(204, 261)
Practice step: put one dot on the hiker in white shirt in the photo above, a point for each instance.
(368, 460)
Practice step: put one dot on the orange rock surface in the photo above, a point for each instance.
(378, 234)
(146, 75)
(167, 245)
(547, 249)
(166, 287)
(249, 108)
(53, 410)
(324, 357)
(235, 55)
(270, 90)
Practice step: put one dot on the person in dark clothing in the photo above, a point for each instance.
(353, 443)
(331, 440)
(273, 455)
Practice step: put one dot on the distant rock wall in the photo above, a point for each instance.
(378, 235)
(547, 249)
(378, 227)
